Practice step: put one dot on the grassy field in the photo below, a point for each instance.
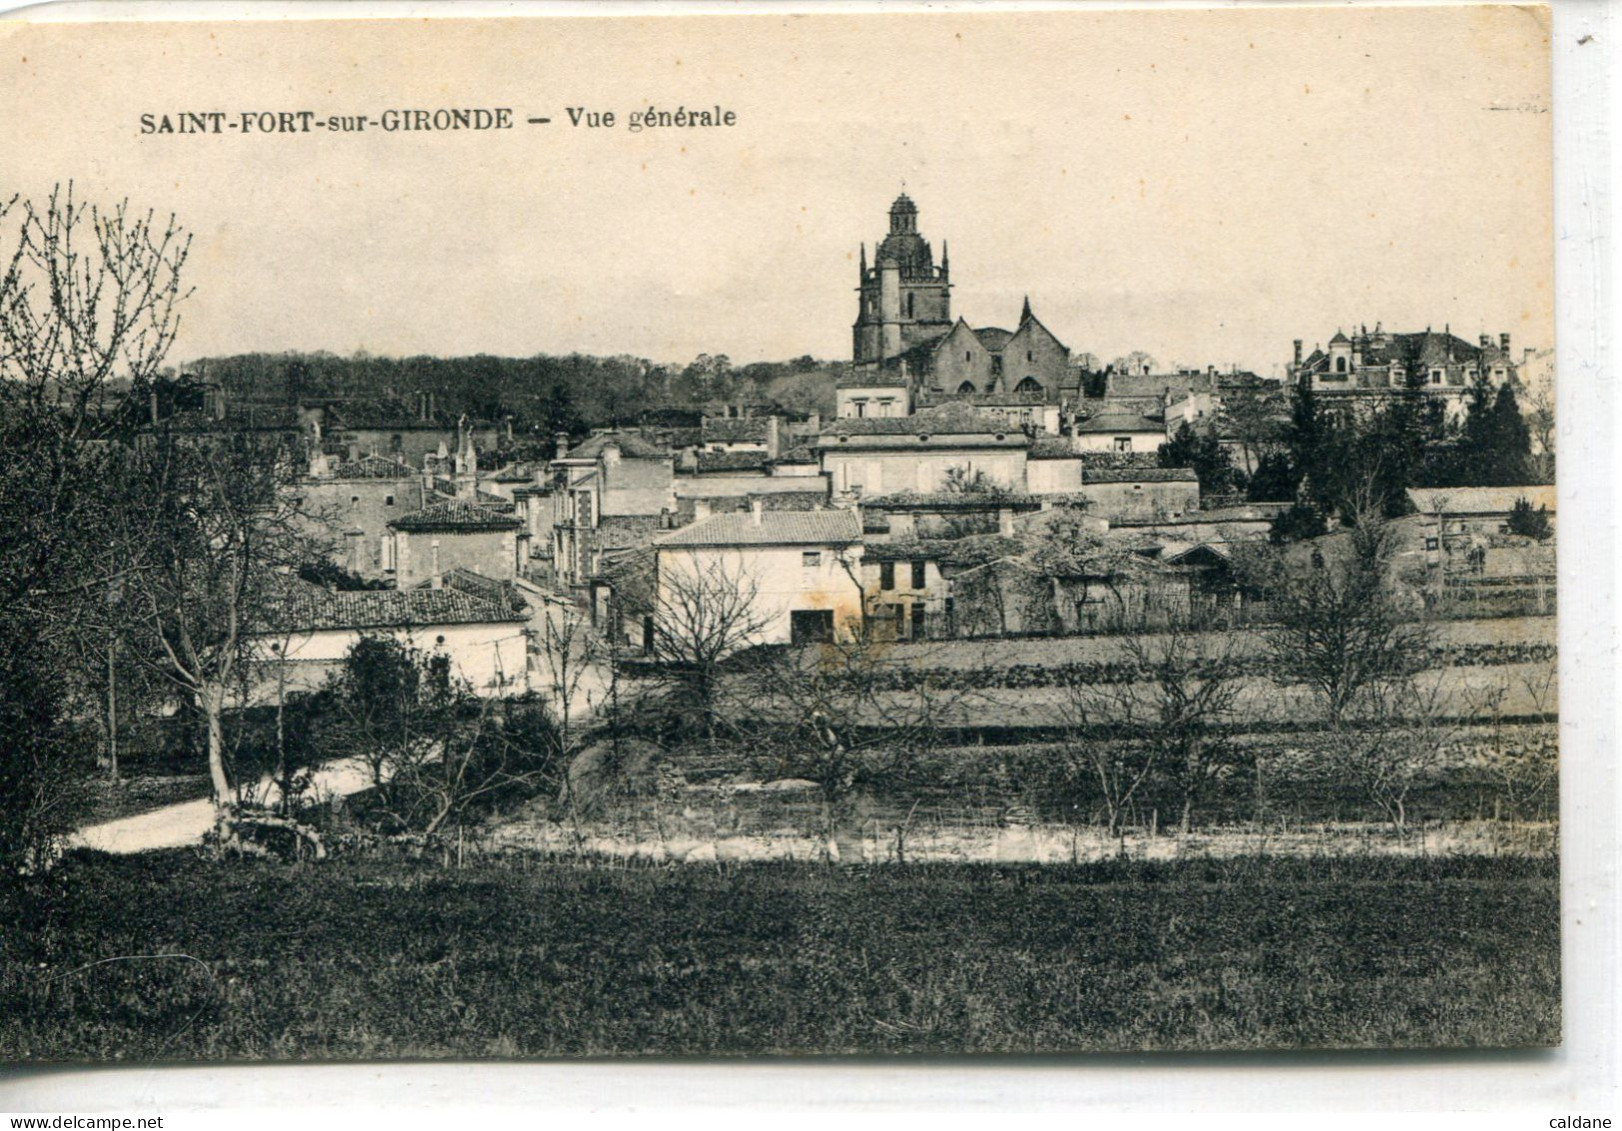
(171, 957)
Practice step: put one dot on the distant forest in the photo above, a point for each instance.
(542, 394)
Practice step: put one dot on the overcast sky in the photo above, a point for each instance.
(1205, 186)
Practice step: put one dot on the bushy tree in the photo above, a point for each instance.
(1203, 452)
(1529, 523)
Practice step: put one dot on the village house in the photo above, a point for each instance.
(612, 476)
(349, 505)
(1451, 522)
(478, 625)
(1116, 430)
(922, 452)
(453, 535)
(801, 569)
(872, 393)
(1123, 494)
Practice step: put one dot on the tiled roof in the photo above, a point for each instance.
(774, 528)
(731, 461)
(800, 453)
(1479, 500)
(871, 379)
(1053, 447)
(493, 501)
(948, 419)
(734, 430)
(1139, 475)
(309, 608)
(373, 467)
(452, 516)
(954, 500)
(630, 444)
(1120, 422)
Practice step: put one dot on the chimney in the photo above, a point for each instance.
(665, 522)
(1005, 521)
(1298, 351)
(757, 507)
(774, 437)
(701, 509)
(563, 444)
(437, 580)
(1503, 343)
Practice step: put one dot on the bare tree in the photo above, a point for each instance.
(1167, 717)
(1340, 629)
(1394, 745)
(853, 710)
(703, 614)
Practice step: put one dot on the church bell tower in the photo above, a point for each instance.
(904, 298)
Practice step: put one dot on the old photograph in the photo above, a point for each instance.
(816, 533)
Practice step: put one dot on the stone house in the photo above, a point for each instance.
(454, 535)
(478, 625)
(801, 569)
(920, 452)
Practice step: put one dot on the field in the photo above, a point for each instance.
(169, 956)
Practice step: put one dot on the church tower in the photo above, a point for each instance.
(905, 298)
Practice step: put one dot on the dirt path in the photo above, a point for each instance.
(177, 826)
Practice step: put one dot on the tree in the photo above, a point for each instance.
(1253, 414)
(438, 752)
(1529, 523)
(1340, 630)
(1203, 452)
(1164, 717)
(703, 613)
(208, 538)
(1496, 442)
(88, 296)
(1394, 745)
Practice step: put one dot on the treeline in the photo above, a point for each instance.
(542, 394)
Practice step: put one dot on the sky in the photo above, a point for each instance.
(1205, 185)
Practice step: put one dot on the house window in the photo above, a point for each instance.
(965, 389)
(918, 576)
(1340, 365)
(860, 406)
(996, 365)
(811, 559)
(909, 305)
(388, 500)
(968, 355)
(354, 500)
(1030, 355)
(918, 615)
(1498, 374)
(1432, 543)
(1436, 376)
(886, 575)
(1123, 443)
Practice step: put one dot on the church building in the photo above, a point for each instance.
(908, 350)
